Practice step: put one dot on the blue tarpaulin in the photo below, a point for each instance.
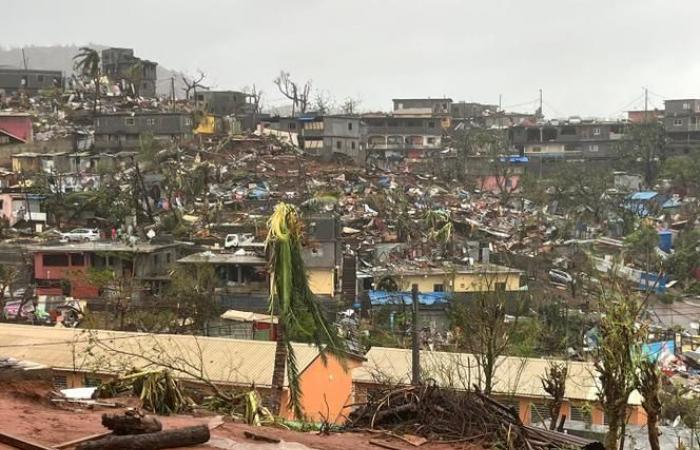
(653, 350)
(649, 280)
(379, 298)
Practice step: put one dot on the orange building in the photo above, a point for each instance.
(80, 358)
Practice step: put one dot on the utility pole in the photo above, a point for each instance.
(541, 110)
(415, 347)
(24, 59)
(172, 90)
(646, 103)
(500, 97)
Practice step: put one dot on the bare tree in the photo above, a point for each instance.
(554, 384)
(323, 102)
(192, 83)
(298, 94)
(350, 105)
(256, 97)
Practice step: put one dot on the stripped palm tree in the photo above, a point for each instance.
(292, 300)
(87, 64)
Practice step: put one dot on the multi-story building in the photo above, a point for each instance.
(122, 131)
(225, 103)
(682, 125)
(572, 139)
(440, 106)
(63, 268)
(326, 135)
(14, 80)
(119, 63)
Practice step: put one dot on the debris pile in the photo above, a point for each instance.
(455, 416)
(157, 390)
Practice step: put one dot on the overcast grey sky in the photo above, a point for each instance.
(590, 57)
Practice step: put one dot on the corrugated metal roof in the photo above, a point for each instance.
(513, 376)
(222, 360)
(643, 195)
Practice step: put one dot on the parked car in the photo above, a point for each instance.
(82, 234)
(559, 276)
(234, 240)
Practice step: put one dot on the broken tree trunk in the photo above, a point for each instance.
(178, 437)
(131, 423)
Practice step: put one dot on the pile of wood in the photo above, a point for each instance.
(456, 416)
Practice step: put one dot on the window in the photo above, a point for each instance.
(431, 124)
(438, 287)
(168, 257)
(292, 126)
(349, 126)
(339, 145)
(150, 122)
(40, 78)
(92, 381)
(536, 149)
(188, 122)
(500, 287)
(77, 259)
(97, 122)
(596, 131)
(431, 140)
(156, 259)
(129, 121)
(60, 382)
(352, 145)
(593, 148)
(686, 105)
(55, 260)
(677, 122)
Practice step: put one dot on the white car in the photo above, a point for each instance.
(234, 240)
(82, 234)
(559, 276)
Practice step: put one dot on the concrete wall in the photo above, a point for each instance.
(322, 281)
(11, 80)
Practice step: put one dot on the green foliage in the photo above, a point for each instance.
(642, 149)
(683, 173)
(686, 257)
(642, 245)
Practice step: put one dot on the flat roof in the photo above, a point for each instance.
(422, 99)
(475, 269)
(222, 258)
(100, 246)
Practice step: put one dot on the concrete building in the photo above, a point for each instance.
(16, 207)
(573, 139)
(118, 63)
(120, 131)
(14, 81)
(682, 125)
(62, 268)
(439, 106)
(225, 103)
(471, 110)
(397, 136)
(326, 135)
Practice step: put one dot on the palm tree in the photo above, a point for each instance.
(87, 63)
(294, 303)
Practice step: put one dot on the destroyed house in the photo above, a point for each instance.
(15, 128)
(14, 81)
(517, 382)
(64, 268)
(75, 361)
(121, 64)
(470, 110)
(123, 130)
(439, 106)
(573, 139)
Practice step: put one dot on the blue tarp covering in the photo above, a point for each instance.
(644, 195)
(648, 280)
(653, 350)
(379, 298)
(514, 159)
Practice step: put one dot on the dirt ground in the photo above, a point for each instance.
(26, 412)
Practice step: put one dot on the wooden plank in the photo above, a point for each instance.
(81, 440)
(261, 437)
(21, 443)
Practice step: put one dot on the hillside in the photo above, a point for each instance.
(60, 57)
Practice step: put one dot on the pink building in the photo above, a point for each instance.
(21, 207)
(15, 128)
